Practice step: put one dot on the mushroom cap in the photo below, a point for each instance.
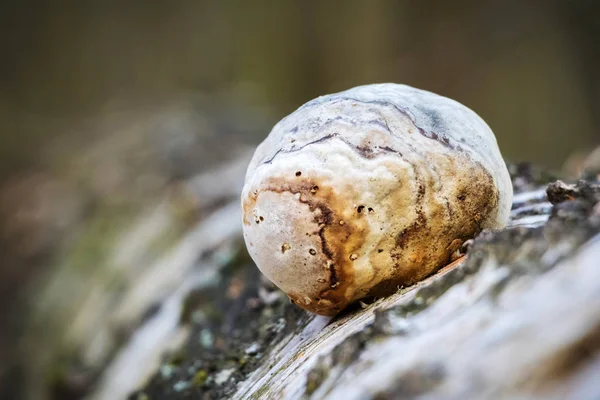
(357, 193)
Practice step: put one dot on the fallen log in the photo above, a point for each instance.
(518, 316)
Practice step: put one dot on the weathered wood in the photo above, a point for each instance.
(517, 318)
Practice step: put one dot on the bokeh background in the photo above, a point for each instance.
(108, 110)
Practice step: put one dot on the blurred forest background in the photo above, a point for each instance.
(109, 108)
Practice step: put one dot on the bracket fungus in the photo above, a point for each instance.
(357, 193)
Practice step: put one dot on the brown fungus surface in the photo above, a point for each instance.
(368, 190)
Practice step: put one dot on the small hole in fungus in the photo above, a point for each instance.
(380, 250)
(261, 218)
(314, 189)
(462, 197)
(312, 252)
(360, 208)
(298, 173)
(370, 210)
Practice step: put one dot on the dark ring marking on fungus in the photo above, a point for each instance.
(368, 151)
(295, 149)
(364, 151)
(327, 215)
(333, 279)
(382, 124)
(420, 192)
(389, 149)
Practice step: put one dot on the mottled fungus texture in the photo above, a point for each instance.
(359, 192)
